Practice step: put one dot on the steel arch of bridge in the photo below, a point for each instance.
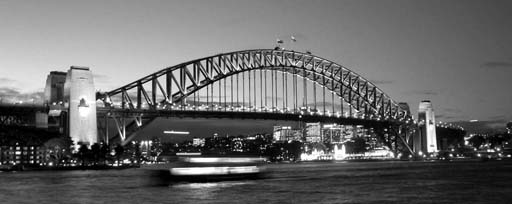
(184, 79)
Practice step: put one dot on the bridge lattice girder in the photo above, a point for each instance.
(187, 78)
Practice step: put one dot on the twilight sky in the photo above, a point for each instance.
(458, 54)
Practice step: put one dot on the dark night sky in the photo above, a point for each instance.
(456, 53)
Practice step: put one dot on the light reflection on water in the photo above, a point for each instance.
(370, 182)
(213, 185)
(205, 191)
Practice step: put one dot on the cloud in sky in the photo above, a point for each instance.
(449, 114)
(498, 118)
(8, 92)
(6, 81)
(12, 95)
(497, 65)
(495, 124)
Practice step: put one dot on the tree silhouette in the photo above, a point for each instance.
(104, 151)
(95, 153)
(357, 145)
(138, 153)
(83, 154)
(476, 141)
(119, 152)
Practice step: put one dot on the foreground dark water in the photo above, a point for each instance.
(361, 182)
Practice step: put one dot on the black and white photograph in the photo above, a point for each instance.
(255, 101)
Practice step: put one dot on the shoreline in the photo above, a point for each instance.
(17, 168)
(5, 168)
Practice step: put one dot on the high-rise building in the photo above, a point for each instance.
(295, 135)
(426, 140)
(80, 101)
(332, 133)
(313, 132)
(282, 133)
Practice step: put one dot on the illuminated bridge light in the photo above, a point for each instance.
(176, 132)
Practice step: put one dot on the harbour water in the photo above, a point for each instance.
(345, 182)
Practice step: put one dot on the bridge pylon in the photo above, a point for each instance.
(80, 102)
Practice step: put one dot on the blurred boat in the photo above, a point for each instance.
(205, 168)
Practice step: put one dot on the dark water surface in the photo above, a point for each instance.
(357, 182)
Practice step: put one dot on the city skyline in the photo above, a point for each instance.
(451, 53)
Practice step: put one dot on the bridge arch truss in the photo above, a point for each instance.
(263, 83)
(294, 82)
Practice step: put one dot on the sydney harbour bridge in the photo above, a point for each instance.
(257, 84)
(266, 84)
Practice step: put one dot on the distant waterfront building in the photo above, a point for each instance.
(426, 140)
(313, 132)
(509, 127)
(145, 147)
(295, 135)
(332, 133)
(20, 154)
(198, 142)
(282, 133)
(349, 131)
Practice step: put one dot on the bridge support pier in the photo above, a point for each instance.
(397, 137)
(126, 126)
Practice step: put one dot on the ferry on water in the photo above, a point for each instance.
(198, 167)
